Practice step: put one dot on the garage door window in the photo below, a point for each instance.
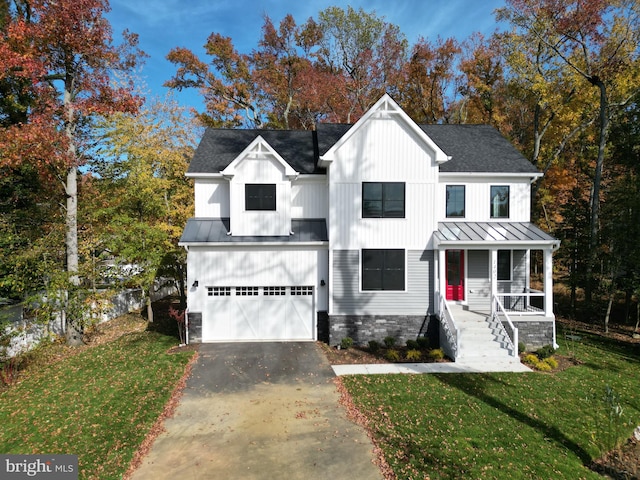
(218, 291)
(301, 290)
(247, 291)
(275, 291)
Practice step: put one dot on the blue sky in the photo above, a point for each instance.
(165, 24)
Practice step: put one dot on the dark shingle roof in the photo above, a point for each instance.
(477, 148)
(216, 230)
(219, 147)
(472, 148)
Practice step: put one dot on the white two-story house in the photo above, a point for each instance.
(380, 228)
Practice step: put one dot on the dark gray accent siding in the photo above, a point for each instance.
(417, 299)
(478, 284)
(195, 327)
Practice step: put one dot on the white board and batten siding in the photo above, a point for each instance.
(211, 198)
(260, 171)
(382, 150)
(478, 197)
(309, 197)
(349, 299)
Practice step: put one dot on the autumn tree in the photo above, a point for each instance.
(63, 54)
(599, 41)
(145, 158)
(427, 89)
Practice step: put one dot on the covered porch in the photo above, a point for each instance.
(486, 268)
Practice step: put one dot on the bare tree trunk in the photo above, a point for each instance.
(608, 315)
(74, 331)
(149, 308)
(635, 330)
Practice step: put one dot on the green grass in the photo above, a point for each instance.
(505, 426)
(98, 404)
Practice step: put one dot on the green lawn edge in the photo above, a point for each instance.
(99, 404)
(507, 425)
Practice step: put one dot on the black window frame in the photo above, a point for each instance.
(260, 197)
(504, 265)
(383, 269)
(448, 196)
(500, 214)
(384, 200)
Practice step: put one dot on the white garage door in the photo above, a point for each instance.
(258, 313)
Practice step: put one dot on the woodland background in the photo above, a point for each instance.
(92, 189)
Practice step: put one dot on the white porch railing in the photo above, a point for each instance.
(452, 332)
(530, 302)
(496, 312)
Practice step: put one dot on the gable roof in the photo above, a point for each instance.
(471, 148)
(261, 148)
(221, 146)
(386, 107)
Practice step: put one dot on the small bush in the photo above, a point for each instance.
(423, 343)
(392, 355)
(552, 362)
(413, 355)
(412, 345)
(374, 346)
(530, 359)
(389, 341)
(545, 352)
(543, 366)
(346, 343)
(436, 354)
(521, 347)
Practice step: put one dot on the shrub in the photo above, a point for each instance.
(545, 352)
(543, 366)
(436, 354)
(389, 341)
(392, 355)
(413, 355)
(521, 347)
(530, 359)
(552, 362)
(423, 343)
(412, 345)
(374, 346)
(346, 343)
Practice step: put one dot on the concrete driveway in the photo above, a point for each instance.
(260, 411)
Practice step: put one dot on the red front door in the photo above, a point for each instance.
(455, 274)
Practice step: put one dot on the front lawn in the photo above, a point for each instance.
(98, 404)
(506, 426)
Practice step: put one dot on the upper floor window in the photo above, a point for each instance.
(383, 200)
(383, 269)
(500, 201)
(455, 201)
(260, 196)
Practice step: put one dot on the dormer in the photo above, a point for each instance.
(259, 191)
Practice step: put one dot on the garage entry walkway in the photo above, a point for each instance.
(260, 411)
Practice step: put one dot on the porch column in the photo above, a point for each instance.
(493, 274)
(442, 277)
(548, 281)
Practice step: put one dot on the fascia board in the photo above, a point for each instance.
(259, 140)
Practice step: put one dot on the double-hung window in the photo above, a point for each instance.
(260, 196)
(455, 201)
(383, 200)
(499, 201)
(383, 269)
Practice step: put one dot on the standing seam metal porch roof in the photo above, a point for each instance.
(492, 232)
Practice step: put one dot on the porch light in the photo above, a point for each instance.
(195, 284)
